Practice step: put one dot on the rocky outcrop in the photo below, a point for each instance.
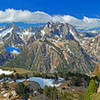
(60, 31)
(4, 58)
(96, 70)
(92, 47)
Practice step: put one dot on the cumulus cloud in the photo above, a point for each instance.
(12, 15)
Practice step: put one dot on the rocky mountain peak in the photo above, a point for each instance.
(61, 30)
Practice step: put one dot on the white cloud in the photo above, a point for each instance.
(12, 15)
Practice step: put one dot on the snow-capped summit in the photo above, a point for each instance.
(16, 34)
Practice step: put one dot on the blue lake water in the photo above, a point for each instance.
(42, 81)
(10, 49)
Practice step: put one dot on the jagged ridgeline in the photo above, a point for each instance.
(51, 48)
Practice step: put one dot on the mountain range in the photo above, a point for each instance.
(50, 48)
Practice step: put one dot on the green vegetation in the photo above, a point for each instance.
(17, 70)
(91, 89)
(95, 96)
(22, 90)
(76, 79)
(98, 75)
(21, 61)
(66, 96)
(45, 75)
(51, 92)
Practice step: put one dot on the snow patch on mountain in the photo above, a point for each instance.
(6, 72)
(43, 32)
(15, 52)
(74, 35)
(5, 32)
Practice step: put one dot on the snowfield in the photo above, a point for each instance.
(5, 72)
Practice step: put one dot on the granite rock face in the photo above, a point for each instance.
(92, 47)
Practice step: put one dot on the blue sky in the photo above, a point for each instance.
(76, 8)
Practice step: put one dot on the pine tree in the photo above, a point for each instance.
(91, 90)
